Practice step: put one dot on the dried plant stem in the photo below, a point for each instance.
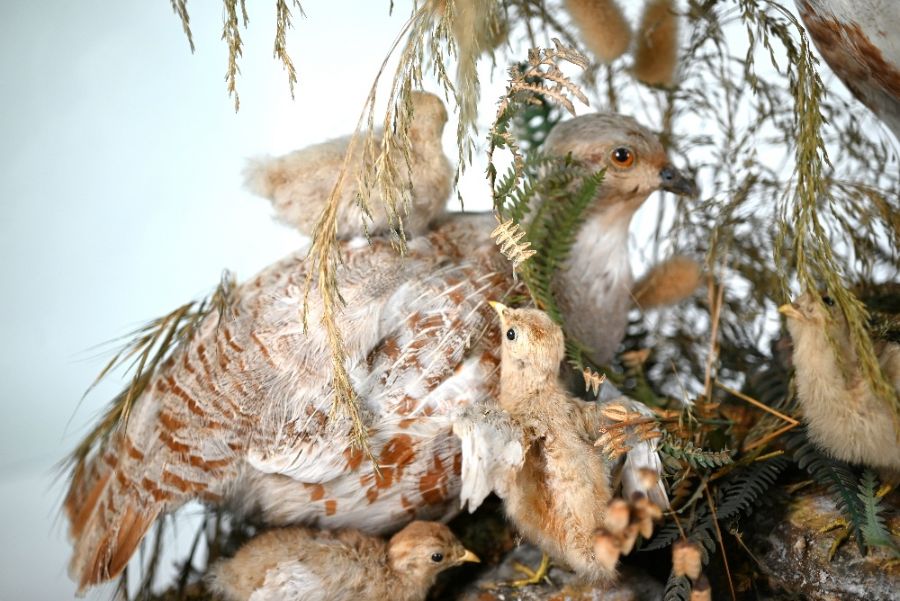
(715, 521)
(757, 404)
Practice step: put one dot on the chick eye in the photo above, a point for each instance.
(437, 557)
(622, 157)
(828, 301)
(510, 334)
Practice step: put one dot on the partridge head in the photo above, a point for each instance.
(844, 415)
(300, 183)
(300, 563)
(595, 289)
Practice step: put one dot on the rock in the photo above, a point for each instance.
(793, 555)
(632, 585)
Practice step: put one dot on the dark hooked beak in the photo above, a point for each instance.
(672, 180)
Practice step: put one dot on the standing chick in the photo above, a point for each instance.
(316, 565)
(844, 416)
(560, 498)
(300, 183)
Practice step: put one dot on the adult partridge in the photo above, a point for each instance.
(241, 412)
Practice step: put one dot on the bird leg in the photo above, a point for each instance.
(533, 576)
(843, 534)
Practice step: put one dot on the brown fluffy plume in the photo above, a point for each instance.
(667, 283)
(603, 27)
(656, 51)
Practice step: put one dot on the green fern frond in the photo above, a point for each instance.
(697, 458)
(678, 588)
(874, 530)
(737, 495)
(836, 476)
(745, 487)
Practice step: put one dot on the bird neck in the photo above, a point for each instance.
(410, 582)
(522, 390)
(817, 362)
(594, 286)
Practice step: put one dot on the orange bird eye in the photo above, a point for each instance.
(622, 157)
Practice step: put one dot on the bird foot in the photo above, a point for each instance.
(843, 534)
(533, 576)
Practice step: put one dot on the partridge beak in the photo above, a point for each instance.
(469, 556)
(498, 307)
(790, 311)
(672, 180)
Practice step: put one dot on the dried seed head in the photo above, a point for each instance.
(617, 516)
(648, 478)
(606, 549)
(629, 538)
(701, 591)
(603, 27)
(656, 54)
(593, 380)
(687, 559)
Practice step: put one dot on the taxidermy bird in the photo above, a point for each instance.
(300, 183)
(241, 413)
(290, 564)
(844, 416)
(556, 486)
(860, 41)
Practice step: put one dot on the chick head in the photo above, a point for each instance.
(811, 312)
(424, 549)
(636, 163)
(532, 342)
(428, 118)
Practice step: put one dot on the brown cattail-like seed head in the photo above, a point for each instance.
(668, 282)
(629, 538)
(603, 27)
(617, 517)
(687, 559)
(701, 590)
(606, 549)
(656, 55)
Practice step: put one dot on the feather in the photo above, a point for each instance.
(493, 450)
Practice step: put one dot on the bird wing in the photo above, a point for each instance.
(493, 450)
(422, 345)
(289, 581)
(860, 42)
(641, 461)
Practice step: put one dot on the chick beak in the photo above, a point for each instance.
(500, 308)
(468, 555)
(672, 180)
(790, 311)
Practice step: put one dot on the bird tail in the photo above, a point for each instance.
(107, 518)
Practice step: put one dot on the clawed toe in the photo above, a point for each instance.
(533, 576)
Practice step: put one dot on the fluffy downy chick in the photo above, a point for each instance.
(844, 416)
(300, 183)
(560, 497)
(316, 565)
